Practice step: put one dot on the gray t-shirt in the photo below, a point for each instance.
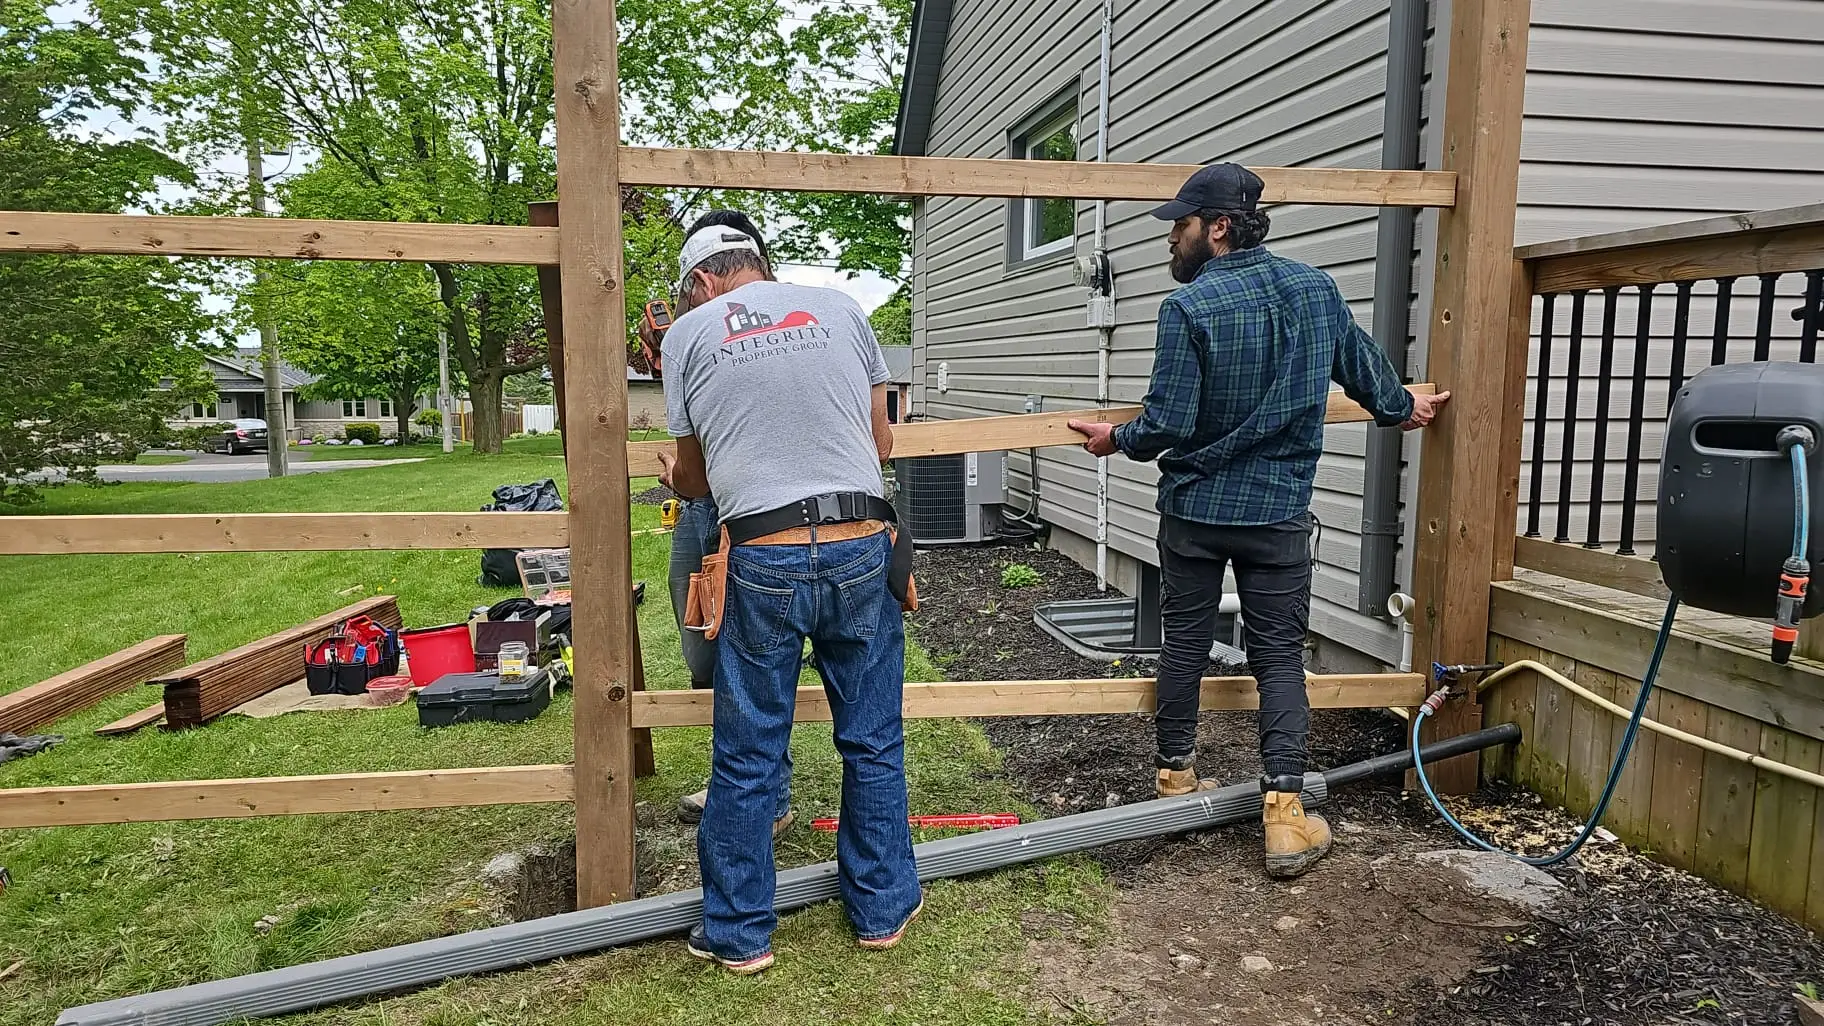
(774, 381)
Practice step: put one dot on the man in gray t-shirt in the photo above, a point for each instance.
(774, 381)
(776, 394)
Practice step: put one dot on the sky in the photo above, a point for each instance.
(867, 288)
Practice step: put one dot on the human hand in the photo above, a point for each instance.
(1424, 408)
(1101, 436)
(668, 462)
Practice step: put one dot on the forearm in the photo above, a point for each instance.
(1371, 380)
(1152, 433)
(1168, 414)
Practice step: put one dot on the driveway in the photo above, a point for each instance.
(214, 467)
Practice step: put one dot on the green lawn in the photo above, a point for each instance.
(101, 912)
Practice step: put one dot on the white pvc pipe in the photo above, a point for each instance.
(1399, 606)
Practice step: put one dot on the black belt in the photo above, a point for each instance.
(832, 508)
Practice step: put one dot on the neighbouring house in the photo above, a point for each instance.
(899, 381)
(240, 391)
(1638, 113)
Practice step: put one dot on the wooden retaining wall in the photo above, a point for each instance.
(1751, 831)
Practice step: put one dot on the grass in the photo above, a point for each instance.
(530, 445)
(102, 912)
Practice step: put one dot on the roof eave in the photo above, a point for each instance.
(918, 87)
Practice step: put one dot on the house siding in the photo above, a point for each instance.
(1639, 112)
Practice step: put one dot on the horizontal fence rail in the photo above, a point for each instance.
(274, 237)
(967, 176)
(1621, 323)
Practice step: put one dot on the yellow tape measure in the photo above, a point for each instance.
(668, 513)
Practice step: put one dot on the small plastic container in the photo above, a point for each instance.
(478, 697)
(432, 652)
(514, 660)
(384, 691)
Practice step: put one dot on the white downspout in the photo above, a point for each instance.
(1104, 321)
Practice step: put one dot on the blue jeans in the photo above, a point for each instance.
(836, 594)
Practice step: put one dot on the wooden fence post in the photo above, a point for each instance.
(1460, 490)
(550, 303)
(590, 248)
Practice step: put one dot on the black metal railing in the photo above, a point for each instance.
(1724, 337)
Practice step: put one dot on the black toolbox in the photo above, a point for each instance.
(484, 697)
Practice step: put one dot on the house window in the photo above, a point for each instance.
(202, 411)
(354, 407)
(386, 408)
(1044, 227)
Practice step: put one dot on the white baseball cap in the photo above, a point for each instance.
(710, 240)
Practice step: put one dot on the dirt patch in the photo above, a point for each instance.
(1640, 943)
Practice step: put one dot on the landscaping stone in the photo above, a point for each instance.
(1495, 876)
(1256, 964)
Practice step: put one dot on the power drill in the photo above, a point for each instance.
(657, 318)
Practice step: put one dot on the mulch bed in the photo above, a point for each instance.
(654, 496)
(1641, 943)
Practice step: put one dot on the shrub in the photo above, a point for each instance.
(1019, 575)
(319, 438)
(199, 437)
(429, 418)
(369, 434)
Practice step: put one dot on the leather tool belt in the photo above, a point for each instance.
(704, 604)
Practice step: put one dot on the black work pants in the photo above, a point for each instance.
(1273, 576)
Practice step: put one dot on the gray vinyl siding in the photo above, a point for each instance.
(1639, 112)
(1649, 112)
(1265, 82)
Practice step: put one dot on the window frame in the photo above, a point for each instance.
(203, 411)
(354, 409)
(386, 409)
(1062, 110)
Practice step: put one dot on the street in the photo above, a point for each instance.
(215, 468)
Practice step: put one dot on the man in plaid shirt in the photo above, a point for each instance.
(1246, 351)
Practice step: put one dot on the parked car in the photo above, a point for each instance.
(247, 434)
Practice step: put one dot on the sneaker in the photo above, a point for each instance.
(1295, 841)
(893, 939)
(1170, 783)
(698, 948)
(690, 810)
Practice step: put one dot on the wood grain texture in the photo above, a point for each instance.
(1736, 679)
(958, 176)
(134, 721)
(586, 74)
(1714, 229)
(280, 532)
(1591, 756)
(34, 706)
(274, 237)
(1725, 818)
(1781, 848)
(551, 305)
(1678, 781)
(1460, 494)
(998, 434)
(1511, 700)
(282, 796)
(1549, 754)
(1094, 697)
(1631, 574)
(1513, 415)
(1748, 253)
(1631, 811)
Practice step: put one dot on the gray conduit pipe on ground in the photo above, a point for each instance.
(518, 945)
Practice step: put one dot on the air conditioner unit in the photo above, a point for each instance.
(951, 500)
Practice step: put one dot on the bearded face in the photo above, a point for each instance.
(1191, 248)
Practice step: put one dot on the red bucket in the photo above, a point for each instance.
(432, 652)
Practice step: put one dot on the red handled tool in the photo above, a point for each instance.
(961, 820)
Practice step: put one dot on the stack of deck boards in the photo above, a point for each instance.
(32, 707)
(205, 690)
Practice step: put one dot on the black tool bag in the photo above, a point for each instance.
(344, 662)
(498, 568)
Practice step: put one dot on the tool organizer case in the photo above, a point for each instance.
(483, 697)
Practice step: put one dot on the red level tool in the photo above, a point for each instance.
(964, 820)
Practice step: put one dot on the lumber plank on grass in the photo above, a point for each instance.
(128, 724)
(1054, 698)
(72, 691)
(1018, 431)
(283, 796)
(202, 691)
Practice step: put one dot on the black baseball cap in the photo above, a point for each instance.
(1222, 186)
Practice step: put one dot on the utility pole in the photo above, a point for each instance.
(444, 406)
(278, 438)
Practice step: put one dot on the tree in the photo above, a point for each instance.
(892, 320)
(98, 351)
(362, 330)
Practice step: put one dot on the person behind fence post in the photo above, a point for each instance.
(693, 537)
(1246, 349)
(776, 394)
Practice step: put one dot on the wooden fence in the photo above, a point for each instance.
(1481, 125)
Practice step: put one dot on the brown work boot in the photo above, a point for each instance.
(1170, 783)
(1295, 841)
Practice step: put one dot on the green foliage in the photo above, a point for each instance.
(1809, 991)
(366, 434)
(429, 418)
(532, 387)
(89, 341)
(1019, 575)
(892, 320)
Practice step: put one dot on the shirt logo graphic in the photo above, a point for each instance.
(742, 322)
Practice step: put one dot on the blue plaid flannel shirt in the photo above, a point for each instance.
(1241, 377)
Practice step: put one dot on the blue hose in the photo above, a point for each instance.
(1801, 501)
(1608, 790)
